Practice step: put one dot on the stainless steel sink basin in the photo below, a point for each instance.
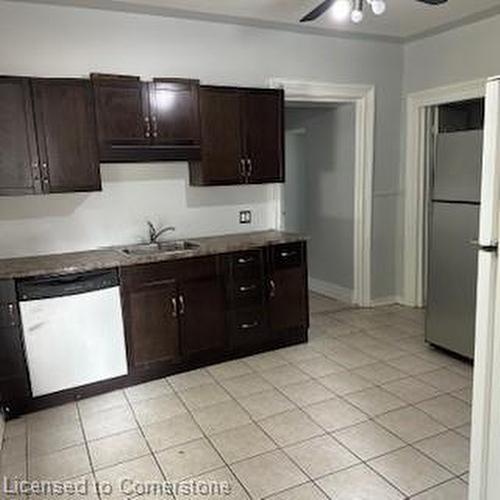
(159, 248)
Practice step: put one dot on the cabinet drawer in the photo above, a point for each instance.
(192, 268)
(288, 255)
(9, 315)
(248, 326)
(247, 264)
(245, 293)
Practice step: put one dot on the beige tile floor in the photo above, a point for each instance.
(364, 411)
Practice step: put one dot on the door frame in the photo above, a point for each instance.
(415, 175)
(363, 97)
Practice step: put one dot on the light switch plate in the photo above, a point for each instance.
(245, 217)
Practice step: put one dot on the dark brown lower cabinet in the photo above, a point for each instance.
(202, 317)
(14, 380)
(151, 315)
(288, 295)
(179, 315)
(174, 313)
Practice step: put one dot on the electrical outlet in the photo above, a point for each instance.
(245, 217)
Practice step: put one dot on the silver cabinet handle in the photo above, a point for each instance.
(12, 315)
(173, 300)
(155, 126)
(242, 167)
(286, 254)
(247, 288)
(182, 309)
(245, 260)
(249, 167)
(249, 326)
(272, 286)
(147, 133)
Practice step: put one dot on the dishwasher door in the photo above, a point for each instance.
(73, 340)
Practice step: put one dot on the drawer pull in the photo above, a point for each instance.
(173, 300)
(12, 316)
(286, 254)
(249, 326)
(183, 307)
(272, 286)
(245, 260)
(247, 288)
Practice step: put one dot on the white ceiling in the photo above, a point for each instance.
(404, 18)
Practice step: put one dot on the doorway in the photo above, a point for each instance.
(363, 98)
(318, 195)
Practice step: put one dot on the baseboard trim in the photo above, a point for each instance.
(386, 301)
(331, 290)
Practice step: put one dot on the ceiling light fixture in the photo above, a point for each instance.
(357, 11)
(341, 10)
(378, 7)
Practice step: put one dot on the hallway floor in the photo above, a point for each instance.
(364, 411)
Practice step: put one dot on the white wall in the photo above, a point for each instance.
(465, 53)
(62, 41)
(328, 181)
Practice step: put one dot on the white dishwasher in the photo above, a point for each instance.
(73, 330)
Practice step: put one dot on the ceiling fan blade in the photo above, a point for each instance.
(317, 12)
(433, 2)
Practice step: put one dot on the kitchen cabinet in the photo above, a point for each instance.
(179, 314)
(246, 306)
(173, 312)
(146, 121)
(19, 172)
(14, 385)
(65, 124)
(202, 317)
(242, 137)
(288, 300)
(47, 136)
(152, 323)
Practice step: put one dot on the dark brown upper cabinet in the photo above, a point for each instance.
(19, 172)
(242, 136)
(47, 136)
(146, 121)
(65, 124)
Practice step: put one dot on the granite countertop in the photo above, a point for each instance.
(76, 262)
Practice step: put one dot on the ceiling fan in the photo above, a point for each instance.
(343, 9)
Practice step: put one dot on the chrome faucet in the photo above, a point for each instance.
(154, 234)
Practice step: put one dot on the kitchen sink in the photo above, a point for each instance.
(159, 248)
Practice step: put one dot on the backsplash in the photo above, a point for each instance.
(131, 194)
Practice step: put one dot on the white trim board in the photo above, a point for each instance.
(415, 175)
(330, 290)
(363, 96)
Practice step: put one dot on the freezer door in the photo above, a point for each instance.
(451, 298)
(457, 171)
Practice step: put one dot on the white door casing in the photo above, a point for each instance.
(363, 97)
(415, 196)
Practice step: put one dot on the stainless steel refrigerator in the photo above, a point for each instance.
(453, 226)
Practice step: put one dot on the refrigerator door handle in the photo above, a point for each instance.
(485, 248)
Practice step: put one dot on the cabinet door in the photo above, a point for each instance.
(175, 112)
(122, 109)
(221, 138)
(264, 135)
(288, 296)
(66, 135)
(203, 318)
(152, 324)
(19, 172)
